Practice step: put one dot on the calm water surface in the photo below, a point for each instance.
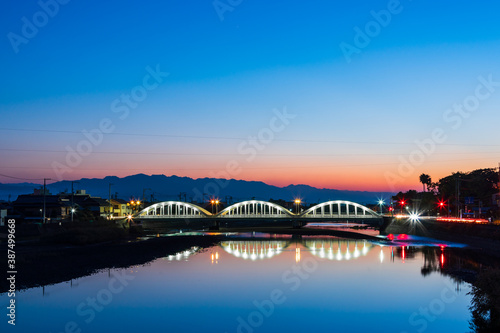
(262, 284)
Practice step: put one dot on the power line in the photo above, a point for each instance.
(2, 175)
(238, 138)
(226, 154)
(245, 168)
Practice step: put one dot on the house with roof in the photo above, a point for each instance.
(97, 206)
(30, 207)
(120, 208)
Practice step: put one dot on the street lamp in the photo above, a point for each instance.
(73, 199)
(297, 202)
(109, 197)
(134, 205)
(381, 204)
(216, 203)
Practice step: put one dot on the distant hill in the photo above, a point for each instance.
(168, 188)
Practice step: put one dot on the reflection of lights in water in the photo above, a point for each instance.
(297, 254)
(347, 253)
(339, 254)
(365, 248)
(254, 250)
(337, 249)
(381, 255)
(356, 251)
(215, 257)
(403, 253)
(183, 255)
(253, 256)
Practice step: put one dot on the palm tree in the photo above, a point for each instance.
(425, 180)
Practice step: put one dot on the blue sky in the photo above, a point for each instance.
(226, 78)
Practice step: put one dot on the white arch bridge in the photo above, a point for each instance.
(338, 210)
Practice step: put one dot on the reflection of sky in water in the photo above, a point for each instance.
(329, 284)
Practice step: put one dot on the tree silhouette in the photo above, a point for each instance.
(425, 180)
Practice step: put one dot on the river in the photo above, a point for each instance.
(266, 283)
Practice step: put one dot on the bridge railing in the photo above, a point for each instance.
(340, 216)
(227, 216)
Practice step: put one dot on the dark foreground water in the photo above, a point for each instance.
(263, 283)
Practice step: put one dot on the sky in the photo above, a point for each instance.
(352, 95)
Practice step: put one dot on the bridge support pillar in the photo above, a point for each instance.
(297, 224)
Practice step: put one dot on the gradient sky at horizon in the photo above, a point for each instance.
(354, 121)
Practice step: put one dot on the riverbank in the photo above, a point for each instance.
(482, 237)
(43, 264)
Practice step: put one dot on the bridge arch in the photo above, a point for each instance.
(174, 209)
(340, 209)
(254, 208)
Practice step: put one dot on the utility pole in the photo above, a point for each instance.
(109, 194)
(72, 199)
(457, 185)
(44, 190)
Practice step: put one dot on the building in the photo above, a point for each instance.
(59, 207)
(30, 207)
(97, 206)
(120, 208)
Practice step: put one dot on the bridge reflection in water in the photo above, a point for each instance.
(338, 249)
(254, 250)
(325, 249)
(183, 255)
